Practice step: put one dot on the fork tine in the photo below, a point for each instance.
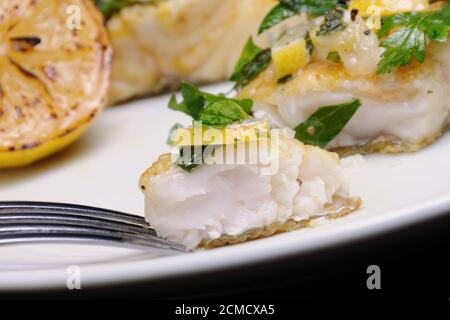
(23, 233)
(55, 219)
(69, 209)
(28, 221)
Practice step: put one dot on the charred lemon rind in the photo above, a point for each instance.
(27, 156)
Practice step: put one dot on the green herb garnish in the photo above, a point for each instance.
(277, 15)
(194, 157)
(222, 113)
(195, 103)
(326, 123)
(334, 56)
(309, 44)
(412, 32)
(215, 111)
(248, 54)
(252, 62)
(289, 8)
(333, 21)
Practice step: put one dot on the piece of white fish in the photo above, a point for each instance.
(157, 46)
(219, 204)
(402, 111)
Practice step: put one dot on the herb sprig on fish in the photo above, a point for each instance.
(406, 35)
(255, 60)
(252, 62)
(326, 123)
(333, 21)
(213, 110)
(289, 8)
(218, 111)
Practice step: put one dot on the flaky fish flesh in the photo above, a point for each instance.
(402, 111)
(220, 204)
(158, 45)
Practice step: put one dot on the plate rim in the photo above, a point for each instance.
(94, 275)
(213, 260)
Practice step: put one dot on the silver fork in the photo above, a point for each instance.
(24, 222)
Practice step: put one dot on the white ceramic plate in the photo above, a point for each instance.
(103, 169)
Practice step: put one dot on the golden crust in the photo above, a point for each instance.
(333, 211)
(160, 166)
(387, 146)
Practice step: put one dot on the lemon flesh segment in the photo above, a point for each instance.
(243, 132)
(290, 58)
(367, 8)
(55, 65)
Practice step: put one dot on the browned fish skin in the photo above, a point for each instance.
(388, 146)
(350, 205)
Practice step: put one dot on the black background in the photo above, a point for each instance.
(414, 264)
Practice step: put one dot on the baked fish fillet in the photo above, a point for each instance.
(220, 204)
(156, 46)
(402, 111)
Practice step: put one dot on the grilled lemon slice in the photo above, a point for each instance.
(54, 75)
